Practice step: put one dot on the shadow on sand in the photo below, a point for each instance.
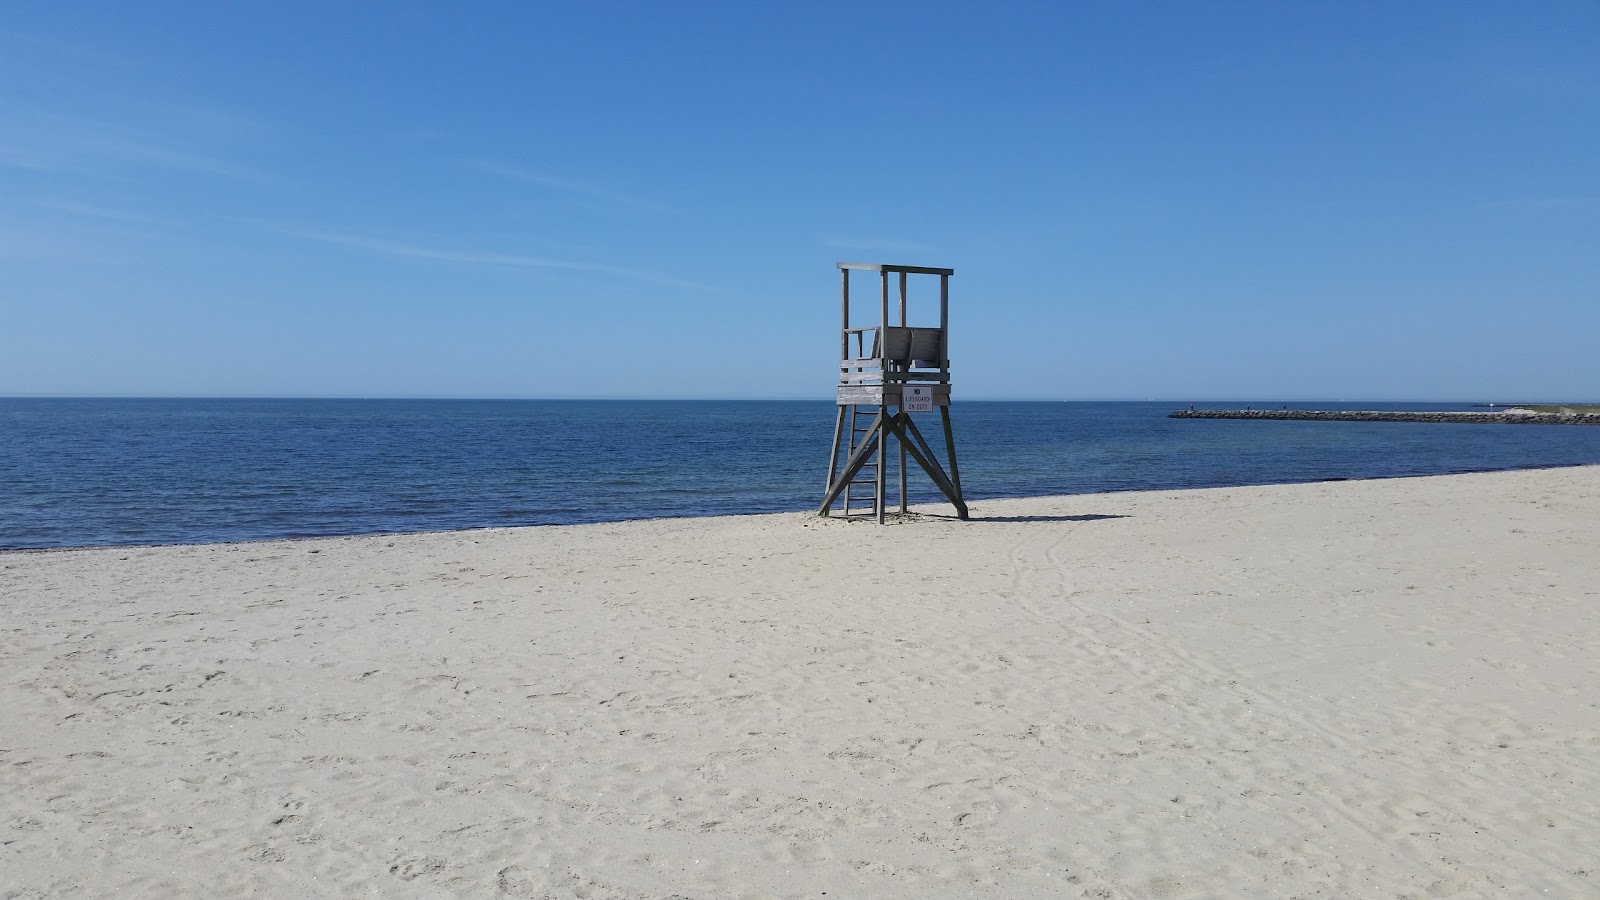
(1087, 517)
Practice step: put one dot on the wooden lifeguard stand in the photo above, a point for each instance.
(888, 366)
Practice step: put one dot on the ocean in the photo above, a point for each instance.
(91, 472)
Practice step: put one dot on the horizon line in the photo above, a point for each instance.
(781, 399)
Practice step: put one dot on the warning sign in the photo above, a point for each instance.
(916, 398)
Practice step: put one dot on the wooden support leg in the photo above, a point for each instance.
(902, 471)
(950, 445)
(883, 448)
(833, 458)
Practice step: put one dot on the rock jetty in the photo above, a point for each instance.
(1328, 415)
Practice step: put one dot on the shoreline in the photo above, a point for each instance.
(931, 508)
(1362, 687)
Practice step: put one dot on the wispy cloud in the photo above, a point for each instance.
(62, 144)
(33, 242)
(471, 257)
(874, 245)
(101, 213)
(31, 159)
(570, 187)
(49, 229)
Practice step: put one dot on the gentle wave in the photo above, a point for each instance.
(107, 472)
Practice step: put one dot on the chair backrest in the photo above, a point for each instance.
(921, 346)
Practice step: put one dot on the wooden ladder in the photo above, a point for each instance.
(868, 475)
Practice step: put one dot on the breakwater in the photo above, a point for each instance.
(1327, 415)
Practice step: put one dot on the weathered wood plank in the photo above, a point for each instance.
(944, 321)
(892, 377)
(917, 342)
(872, 377)
(902, 299)
(844, 311)
(873, 394)
(919, 366)
(883, 308)
(889, 267)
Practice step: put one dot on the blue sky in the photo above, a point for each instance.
(1172, 200)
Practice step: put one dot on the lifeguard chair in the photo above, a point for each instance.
(882, 367)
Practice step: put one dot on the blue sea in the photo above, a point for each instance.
(85, 472)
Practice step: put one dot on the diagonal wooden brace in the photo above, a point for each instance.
(919, 450)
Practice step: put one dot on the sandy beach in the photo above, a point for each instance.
(1355, 689)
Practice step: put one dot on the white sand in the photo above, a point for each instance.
(1365, 689)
